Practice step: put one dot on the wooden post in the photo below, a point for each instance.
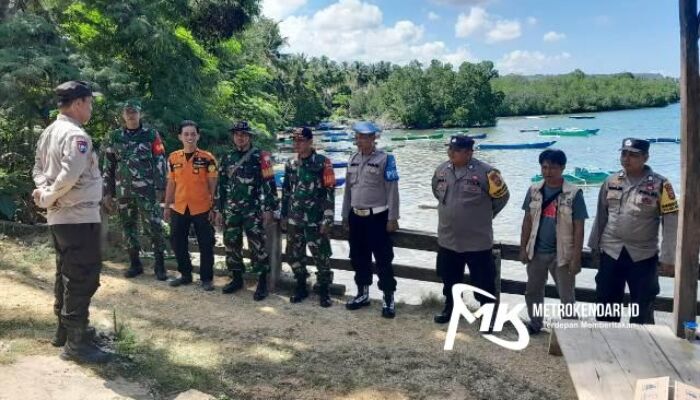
(274, 248)
(688, 245)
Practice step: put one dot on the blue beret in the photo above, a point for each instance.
(365, 128)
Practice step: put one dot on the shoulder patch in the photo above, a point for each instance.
(328, 174)
(391, 174)
(157, 148)
(497, 188)
(82, 145)
(668, 203)
(266, 165)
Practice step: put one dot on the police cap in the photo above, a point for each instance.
(72, 90)
(635, 145)
(461, 142)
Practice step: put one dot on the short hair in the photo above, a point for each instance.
(68, 103)
(554, 156)
(186, 123)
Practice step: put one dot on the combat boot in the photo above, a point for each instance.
(388, 305)
(135, 268)
(78, 348)
(324, 296)
(445, 315)
(61, 335)
(360, 300)
(159, 266)
(261, 290)
(235, 284)
(300, 292)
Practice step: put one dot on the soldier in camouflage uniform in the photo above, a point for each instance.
(134, 170)
(246, 199)
(308, 202)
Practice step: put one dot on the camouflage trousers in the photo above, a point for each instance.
(234, 227)
(131, 209)
(298, 237)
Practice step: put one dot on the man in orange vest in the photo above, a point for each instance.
(189, 197)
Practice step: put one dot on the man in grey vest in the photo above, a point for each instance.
(371, 213)
(470, 194)
(69, 186)
(551, 238)
(631, 205)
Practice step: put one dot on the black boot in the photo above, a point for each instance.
(388, 305)
(78, 348)
(324, 296)
(360, 300)
(61, 335)
(235, 284)
(300, 292)
(445, 315)
(261, 290)
(182, 280)
(159, 266)
(135, 268)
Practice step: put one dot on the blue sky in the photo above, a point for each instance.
(519, 36)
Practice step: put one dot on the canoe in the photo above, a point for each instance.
(530, 130)
(335, 133)
(582, 177)
(663, 140)
(328, 126)
(418, 137)
(334, 139)
(514, 146)
(581, 116)
(568, 132)
(479, 136)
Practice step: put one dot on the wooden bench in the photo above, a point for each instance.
(605, 362)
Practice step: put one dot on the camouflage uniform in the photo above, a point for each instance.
(134, 168)
(244, 192)
(308, 202)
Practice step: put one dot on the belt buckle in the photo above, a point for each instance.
(363, 213)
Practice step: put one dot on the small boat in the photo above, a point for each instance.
(514, 146)
(479, 136)
(335, 134)
(418, 137)
(452, 130)
(340, 164)
(663, 140)
(530, 130)
(582, 177)
(568, 132)
(338, 150)
(581, 116)
(328, 126)
(334, 139)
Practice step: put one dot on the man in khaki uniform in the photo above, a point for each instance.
(470, 194)
(631, 205)
(69, 186)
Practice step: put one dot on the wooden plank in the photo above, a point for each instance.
(688, 244)
(637, 353)
(683, 355)
(652, 389)
(594, 370)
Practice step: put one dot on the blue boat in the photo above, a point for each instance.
(663, 140)
(334, 139)
(332, 134)
(514, 146)
(479, 136)
(340, 164)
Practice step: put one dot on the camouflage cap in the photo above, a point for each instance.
(241, 126)
(134, 104)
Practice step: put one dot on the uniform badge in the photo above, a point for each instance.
(82, 146)
(211, 168)
(391, 174)
(628, 142)
(497, 188)
(668, 203)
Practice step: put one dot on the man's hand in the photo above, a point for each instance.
(212, 217)
(392, 226)
(166, 214)
(325, 229)
(268, 218)
(283, 224)
(108, 204)
(160, 196)
(36, 196)
(667, 269)
(218, 219)
(523, 257)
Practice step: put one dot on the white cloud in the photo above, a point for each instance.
(531, 62)
(504, 30)
(478, 20)
(552, 36)
(433, 16)
(279, 9)
(532, 21)
(351, 30)
(468, 24)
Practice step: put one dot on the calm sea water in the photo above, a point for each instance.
(417, 161)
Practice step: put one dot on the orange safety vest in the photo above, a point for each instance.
(191, 178)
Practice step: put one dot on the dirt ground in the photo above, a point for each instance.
(231, 347)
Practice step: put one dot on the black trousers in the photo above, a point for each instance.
(482, 272)
(368, 236)
(642, 277)
(180, 229)
(78, 266)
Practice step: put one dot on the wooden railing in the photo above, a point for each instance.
(426, 241)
